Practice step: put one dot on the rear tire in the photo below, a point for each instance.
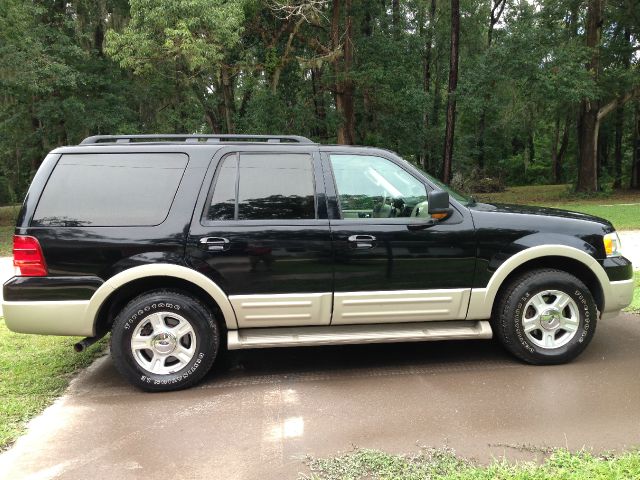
(164, 340)
(545, 317)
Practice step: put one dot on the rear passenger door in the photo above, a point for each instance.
(260, 231)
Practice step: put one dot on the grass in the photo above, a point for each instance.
(6, 241)
(620, 207)
(8, 215)
(34, 371)
(635, 303)
(445, 465)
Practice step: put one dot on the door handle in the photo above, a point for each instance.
(362, 241)
(215, 244)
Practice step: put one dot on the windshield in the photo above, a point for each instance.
(464, 199)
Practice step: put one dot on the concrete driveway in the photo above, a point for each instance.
(261, 412)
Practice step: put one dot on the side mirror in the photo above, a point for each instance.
(439, 208)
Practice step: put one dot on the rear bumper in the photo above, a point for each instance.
(63, 317)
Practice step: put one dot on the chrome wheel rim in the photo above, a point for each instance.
(163, 343)
(550, 319)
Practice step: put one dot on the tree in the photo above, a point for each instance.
(451, 91)
(635, 142)
(184, 42)
(531, 75)
(344, 85)
(494, 17)
(588, 119)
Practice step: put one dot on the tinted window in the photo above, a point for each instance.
(269, 187)
(110, 189)
(374, 187)
(223, 201)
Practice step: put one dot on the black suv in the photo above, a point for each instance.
(180, 245)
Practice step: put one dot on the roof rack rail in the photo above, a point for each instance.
(194, 138)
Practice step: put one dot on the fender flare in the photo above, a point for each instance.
(482, 299)
(161, 270)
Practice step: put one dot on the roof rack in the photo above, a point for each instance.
(195, 138)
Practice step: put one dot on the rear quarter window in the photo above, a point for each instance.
(123, 189)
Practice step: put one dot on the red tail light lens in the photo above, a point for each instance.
(27, 257)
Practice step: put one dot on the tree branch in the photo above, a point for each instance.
(617, 102)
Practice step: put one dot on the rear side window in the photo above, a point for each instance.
(264, 186)
(123, 189)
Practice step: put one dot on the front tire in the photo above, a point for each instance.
(546, 317)
(164, 340)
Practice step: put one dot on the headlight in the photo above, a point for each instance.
(612, 244)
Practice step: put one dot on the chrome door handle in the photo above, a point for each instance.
(362, 241)
(215, 244)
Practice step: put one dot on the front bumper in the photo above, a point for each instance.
(620, 296)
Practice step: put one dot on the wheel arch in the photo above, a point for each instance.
(561, 257)
(123, 287)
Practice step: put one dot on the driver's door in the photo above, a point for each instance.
(385, 272)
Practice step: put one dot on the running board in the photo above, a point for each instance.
(346, 334)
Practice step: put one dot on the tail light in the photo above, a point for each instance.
(27, 257)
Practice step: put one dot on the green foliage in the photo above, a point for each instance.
(83, 67)
(7, 195)
(176, 33)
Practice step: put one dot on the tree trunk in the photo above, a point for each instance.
(318, 103)
(588, 124)
(555, 165)
(564, 143)
(228, 99)
(496, 13)
(635, 159)
(626, 60)
(451, 92)
(602, 151)
(344, 87)
(617, 155)
(426, 80)
(395, 18)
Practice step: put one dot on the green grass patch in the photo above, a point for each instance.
(444, 465)
(620, 207)
(34, 371)
(9, 214)
(635, 303)
(6, 241)
(623, 217)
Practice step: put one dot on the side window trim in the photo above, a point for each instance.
(334, 204)
(318, 184)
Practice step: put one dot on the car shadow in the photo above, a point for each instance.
(418, 357)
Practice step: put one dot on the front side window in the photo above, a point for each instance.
(261, 186)
(374, 187)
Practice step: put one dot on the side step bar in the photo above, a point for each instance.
(346, 334)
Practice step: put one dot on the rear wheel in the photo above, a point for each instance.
(546, 316)
(164, 340)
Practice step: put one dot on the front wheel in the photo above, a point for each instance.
(546, 316)
(164, 340)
